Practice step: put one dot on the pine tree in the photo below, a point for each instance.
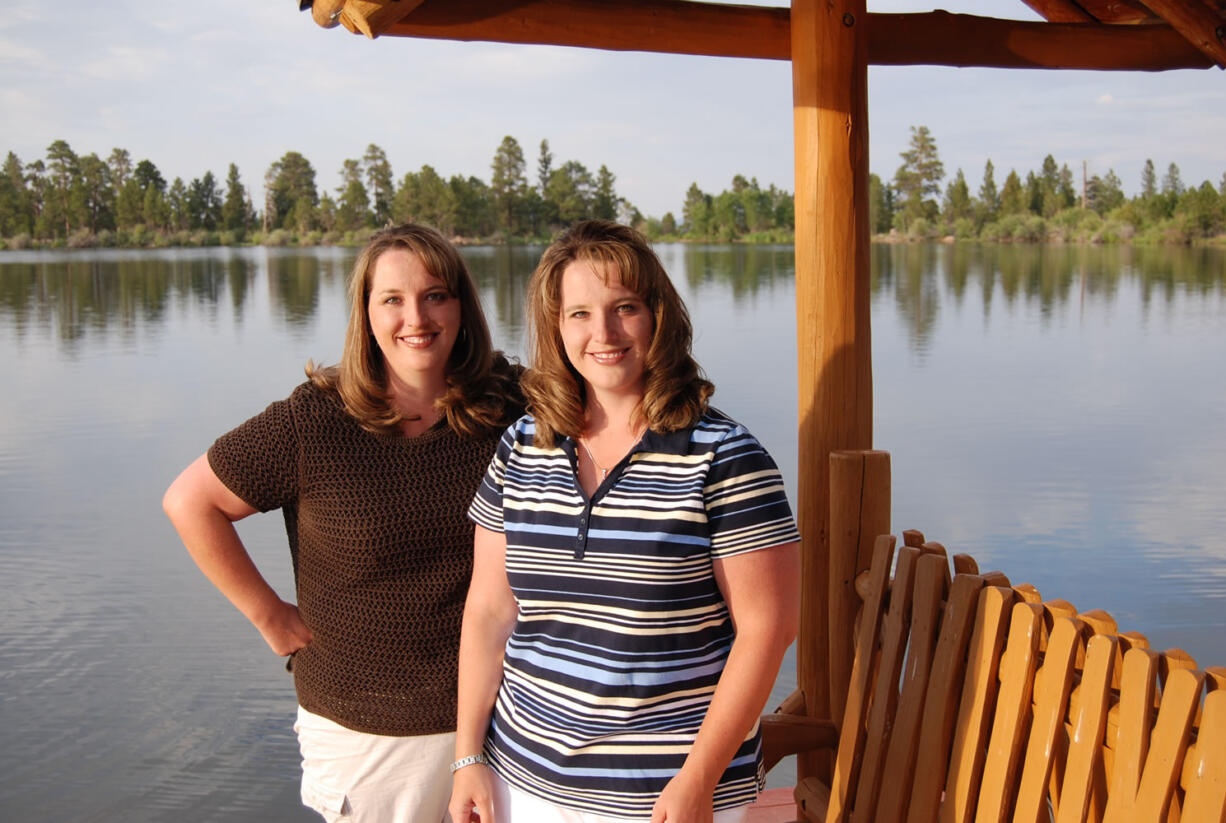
(957, 200)
(604, 199)
(508, 183)
(380, 185)
(988, 203)
(292, 196)
(1149, 180)
(1012, 195)
(352, 200)
(918, 179)
(234, 214)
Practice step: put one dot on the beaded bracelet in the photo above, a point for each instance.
(468, 761)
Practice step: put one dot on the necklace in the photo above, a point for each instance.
(604, 473)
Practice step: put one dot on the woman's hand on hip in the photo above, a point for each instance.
(283, 630)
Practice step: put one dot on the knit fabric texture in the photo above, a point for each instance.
(382, 554)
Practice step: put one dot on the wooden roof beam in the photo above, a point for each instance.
(1058, 11)
(934, 38)
(942, 39)
(368, 17)
(1122, 12)
(1203, 28)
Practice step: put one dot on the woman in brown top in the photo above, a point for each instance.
(373, 463)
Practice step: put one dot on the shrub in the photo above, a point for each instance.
(82, 239)
(277, 237)
(919, 229)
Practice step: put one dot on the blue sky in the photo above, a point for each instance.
(195, 86)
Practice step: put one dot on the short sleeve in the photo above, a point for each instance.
(486, 508)
(258, 460)
(747, 506)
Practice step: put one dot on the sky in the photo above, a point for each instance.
(196, 86)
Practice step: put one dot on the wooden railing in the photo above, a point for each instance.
(972, 699)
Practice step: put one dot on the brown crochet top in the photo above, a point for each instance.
(382, 552)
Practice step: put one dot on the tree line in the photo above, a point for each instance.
(83, 200)
(1050, 204)
(66, 199)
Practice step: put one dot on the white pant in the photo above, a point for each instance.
(356, 777)
(519, 807)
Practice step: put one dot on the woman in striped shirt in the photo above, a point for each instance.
(635, 568)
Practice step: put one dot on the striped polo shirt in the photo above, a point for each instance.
(621, 632)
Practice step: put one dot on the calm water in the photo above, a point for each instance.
(1059, 413)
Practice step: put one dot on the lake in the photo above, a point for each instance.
(1058, 412)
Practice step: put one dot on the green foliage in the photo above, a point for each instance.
(918, 180)
(291, 196)
(508, 183)
(65, 199)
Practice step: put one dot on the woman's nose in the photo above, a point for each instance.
(606, 327)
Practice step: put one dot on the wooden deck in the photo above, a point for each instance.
(773, 806)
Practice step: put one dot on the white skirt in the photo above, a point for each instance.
(520, 807)
(355, 777)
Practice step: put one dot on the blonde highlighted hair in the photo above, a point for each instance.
(676, 392)
(482, 386)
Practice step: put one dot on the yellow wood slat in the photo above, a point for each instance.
(1131, 745)
(1017, 667)
(978, 699)
(1169, 741)
(859, 512)
(965, 564)
(1053, 610)
(941, 701)
(1053, 682)
(851, 742)
(931, 586)
(812, 799)
(1083, 770)
(1205, 781)
(996, 578)
(894, 631)
(1028, 593)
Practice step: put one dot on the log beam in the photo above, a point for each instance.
(940, 38)
(1060, 11)
(666, 26)
(670, 26)
(830, 128)
(1202, 27)
(373, 18)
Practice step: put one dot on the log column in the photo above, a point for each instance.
(830, 109)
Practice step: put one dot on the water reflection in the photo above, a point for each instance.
(83, 294)
(1055, 411)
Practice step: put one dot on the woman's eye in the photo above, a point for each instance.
(578, 315)
(391, 301)
(438, 296)
(628, 308)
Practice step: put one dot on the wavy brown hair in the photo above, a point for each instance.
(482, 386)
(676, 391)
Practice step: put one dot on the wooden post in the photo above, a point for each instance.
(859, 512)
(830, 113)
